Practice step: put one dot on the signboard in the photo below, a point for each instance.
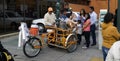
(101, 19)
(102, 14)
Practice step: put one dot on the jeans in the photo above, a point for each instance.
(92, 30)
(105, 52)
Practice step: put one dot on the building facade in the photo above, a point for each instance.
(37, 8)
(98, 4)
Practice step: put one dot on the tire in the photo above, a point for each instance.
(29, 47)
(72, 47)
(41, 28)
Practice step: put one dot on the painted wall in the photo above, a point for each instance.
(103, 4)
(98, 4)
(77, 7)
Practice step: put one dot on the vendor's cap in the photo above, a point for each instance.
(50, 9)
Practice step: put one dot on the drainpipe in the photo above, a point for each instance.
(108, 5)
(4, 16)
(118, 18)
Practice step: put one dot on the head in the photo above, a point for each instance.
(91, 9)
(82, 12)
(50, 10)
(87, 16)
(64, 12)
(66, 5)
(108, 18)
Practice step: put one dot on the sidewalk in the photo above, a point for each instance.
(8, 35)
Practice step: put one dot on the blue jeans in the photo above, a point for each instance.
(92, 30)
(105, 52)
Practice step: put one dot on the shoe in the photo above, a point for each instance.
(84, 47)
(93, 44)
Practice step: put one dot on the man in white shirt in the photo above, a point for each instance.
(49, 17)
(93, 20)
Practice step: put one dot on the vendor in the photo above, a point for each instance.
(49, 17)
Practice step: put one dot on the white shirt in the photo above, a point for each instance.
(82, 18)
(93, 18)
(49, 18)
(79, 30)
(77, 16)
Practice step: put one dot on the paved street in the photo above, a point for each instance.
(53, 54)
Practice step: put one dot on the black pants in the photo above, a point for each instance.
(79, 38)
(92, 30)
(87, 38)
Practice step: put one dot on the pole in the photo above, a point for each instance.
(23, 10)
(118, 18)
(4, 16)
(38, 11)
(108, 5)
(57, 12)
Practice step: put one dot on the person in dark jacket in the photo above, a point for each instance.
(68, 10)
(4, 51)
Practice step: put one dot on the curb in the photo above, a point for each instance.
(8, 35)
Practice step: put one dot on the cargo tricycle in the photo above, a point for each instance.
(56, 37)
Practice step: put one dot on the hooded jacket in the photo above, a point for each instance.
(110, 34)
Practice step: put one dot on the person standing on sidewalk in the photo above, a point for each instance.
(93, 19)
(86, 30)
(79, 31)
(110, 34)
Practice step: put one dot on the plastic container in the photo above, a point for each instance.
(34, 30)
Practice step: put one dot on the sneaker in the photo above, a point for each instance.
(84, 47)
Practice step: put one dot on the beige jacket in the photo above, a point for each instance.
(49, 19)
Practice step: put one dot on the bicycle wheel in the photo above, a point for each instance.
(72, 44)
(32, 47)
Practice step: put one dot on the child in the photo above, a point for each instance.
(79, 31)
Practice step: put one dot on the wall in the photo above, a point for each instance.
(77, 7)
(103, 4)
(98, 4)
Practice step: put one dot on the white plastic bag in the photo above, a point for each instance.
(23, 34)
